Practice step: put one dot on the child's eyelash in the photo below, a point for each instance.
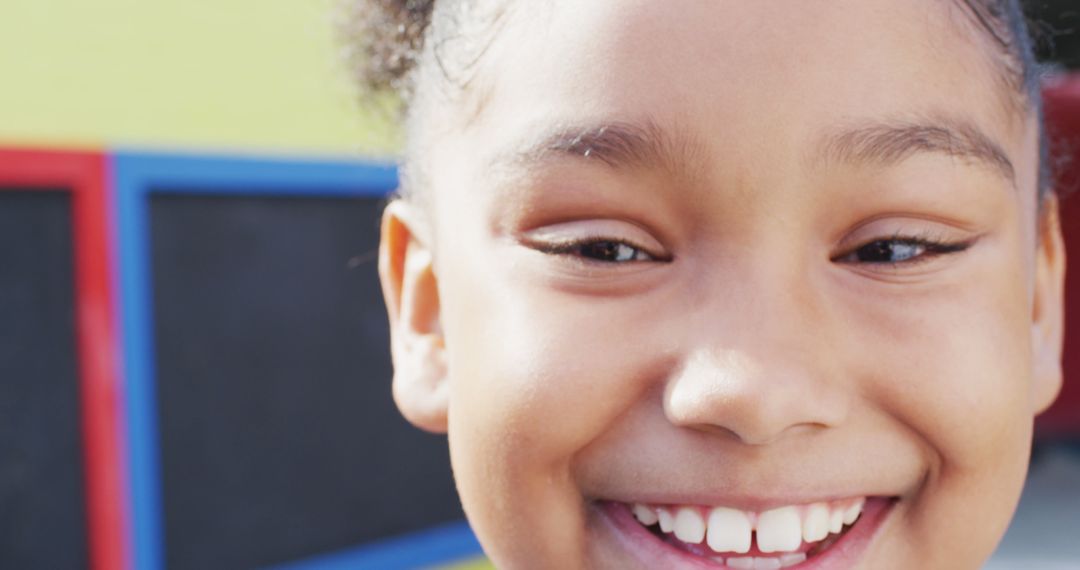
(599, 249)
(902, 250)
(896, 250)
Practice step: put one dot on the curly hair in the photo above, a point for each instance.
(385, 38)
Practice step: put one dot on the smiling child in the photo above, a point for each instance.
(723, 284)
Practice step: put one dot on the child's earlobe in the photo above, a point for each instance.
(1048, 308)
(410, 289)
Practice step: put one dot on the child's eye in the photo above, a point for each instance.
(602, 250)
(597, 242)
(900, 250)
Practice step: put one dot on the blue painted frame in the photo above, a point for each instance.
(453, 542)
(135, 176)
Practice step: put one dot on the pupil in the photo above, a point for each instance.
(604, 250)
(888, 252)
(608, 251)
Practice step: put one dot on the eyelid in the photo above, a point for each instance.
(902, 228)
(940, 238)
(583, 231)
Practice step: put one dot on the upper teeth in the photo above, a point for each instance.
(730, 530)
(779, 530)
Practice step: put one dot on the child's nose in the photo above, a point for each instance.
(771, 370)
(756, 399)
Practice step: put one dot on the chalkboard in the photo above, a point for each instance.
(278, 435)
(1054, 24)
(42, 507)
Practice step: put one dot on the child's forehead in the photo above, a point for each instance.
(723, 68)
(750, 57)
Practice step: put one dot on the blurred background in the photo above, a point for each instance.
(194, 368)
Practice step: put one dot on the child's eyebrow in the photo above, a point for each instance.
(618, 144)
(642, 145)
(891, 142)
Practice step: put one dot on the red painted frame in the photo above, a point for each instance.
(86, 174)
(1062, 97)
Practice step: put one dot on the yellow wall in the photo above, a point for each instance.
(260, 75)
(478, 564)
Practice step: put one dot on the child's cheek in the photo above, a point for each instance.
(955, 358)
(552, 370)
(951, 365)
(536, 375)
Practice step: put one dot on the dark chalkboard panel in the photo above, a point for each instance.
(279, 439)
(1054, 24)
(42, 507)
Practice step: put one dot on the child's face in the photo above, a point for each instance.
(750, 255)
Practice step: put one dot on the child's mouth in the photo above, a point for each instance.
(784, 537)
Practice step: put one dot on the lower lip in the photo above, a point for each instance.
(655, 553)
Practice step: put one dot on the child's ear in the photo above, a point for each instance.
(410, 288)
(1048, 309)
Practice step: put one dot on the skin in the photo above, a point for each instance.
(753, 359)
